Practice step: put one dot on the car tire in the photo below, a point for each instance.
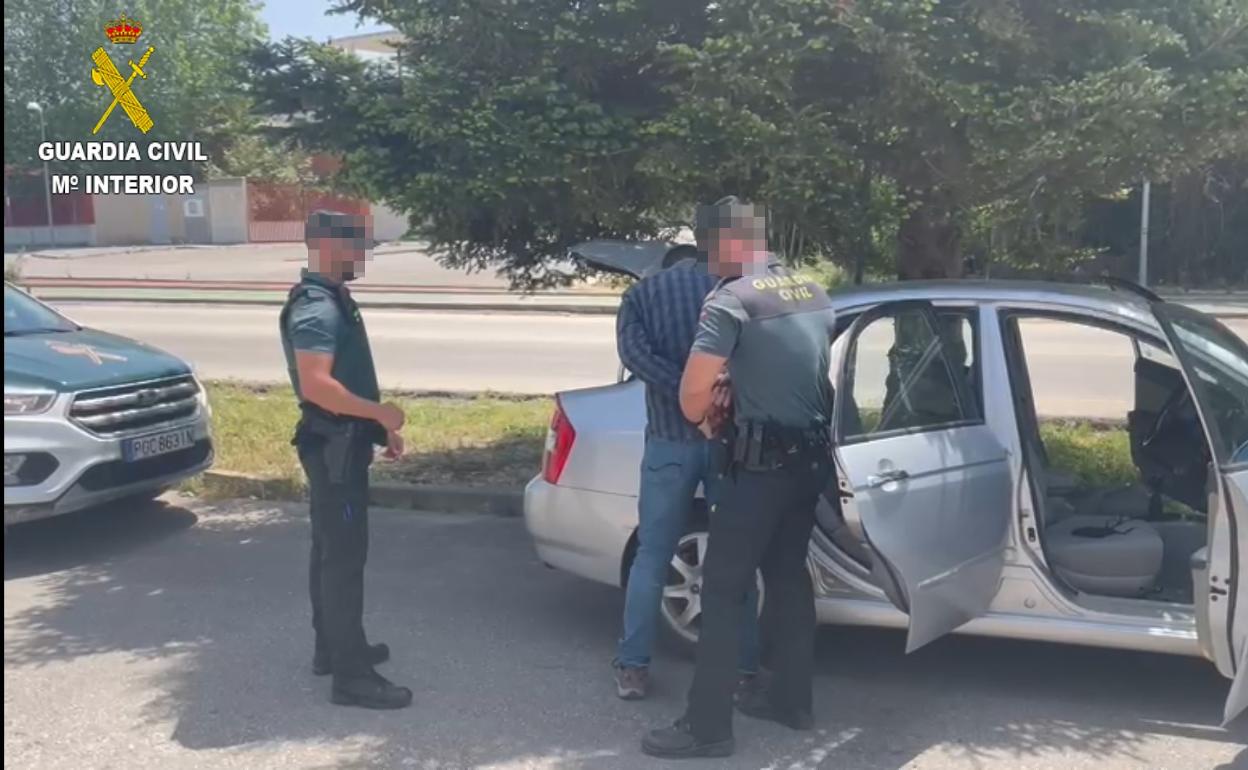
(683, 590)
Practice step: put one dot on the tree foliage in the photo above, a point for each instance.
(906, 133)
(196, 84)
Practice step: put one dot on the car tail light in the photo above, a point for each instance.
(558, 445)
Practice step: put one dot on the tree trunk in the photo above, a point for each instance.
(864, 234)
(1186, 244)
(929, 244)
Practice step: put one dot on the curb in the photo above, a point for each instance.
(430, 498)
(1234, 313)
(364, 302)
(281, 287)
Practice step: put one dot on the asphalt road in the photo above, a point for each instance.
(176, 636)
(544, 353)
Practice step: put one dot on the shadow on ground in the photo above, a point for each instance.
(510, 660)
(91, 537)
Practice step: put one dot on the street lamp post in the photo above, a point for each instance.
(1144, 214)
(47, 181)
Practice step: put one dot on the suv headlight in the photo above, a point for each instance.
(21, 402)
(202, 394)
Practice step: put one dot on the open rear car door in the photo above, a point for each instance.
(921, 476)
(1215, 364)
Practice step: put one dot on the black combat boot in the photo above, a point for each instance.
(377, 654)
(679, 742)
(370, 691)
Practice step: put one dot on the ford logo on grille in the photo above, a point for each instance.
(146, 397)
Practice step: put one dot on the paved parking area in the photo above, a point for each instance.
(176, 636)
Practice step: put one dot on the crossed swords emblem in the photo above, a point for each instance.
(106, 74)
(96, 357)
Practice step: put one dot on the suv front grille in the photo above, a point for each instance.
(125, 409)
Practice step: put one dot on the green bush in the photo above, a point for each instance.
(13, 270)
(1098, 455)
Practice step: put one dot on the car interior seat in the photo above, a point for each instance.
(1096, 540)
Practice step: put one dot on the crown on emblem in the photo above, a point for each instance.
(123, 30)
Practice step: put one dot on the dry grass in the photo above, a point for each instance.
(483, 441)
(496, 441)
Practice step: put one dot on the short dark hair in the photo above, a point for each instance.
(684, 251)
(723, 214)
(333, 224)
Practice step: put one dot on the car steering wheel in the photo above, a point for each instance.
(1171, 405)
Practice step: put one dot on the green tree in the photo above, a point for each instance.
(910, 133)
(196, 87)
(511, 131)
(993, 119)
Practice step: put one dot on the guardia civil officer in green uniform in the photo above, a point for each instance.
(342, 419)
(773, 329)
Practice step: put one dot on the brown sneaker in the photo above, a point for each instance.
(630, 683)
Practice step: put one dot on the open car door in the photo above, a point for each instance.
(1215, 364)
(921, 475)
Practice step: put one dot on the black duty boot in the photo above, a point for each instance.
(377, 654)
(370, 691)
(677, 742)
(757, 704)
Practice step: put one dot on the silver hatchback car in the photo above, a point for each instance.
(1036, 461)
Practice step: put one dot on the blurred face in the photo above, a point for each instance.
(740, 248)
(343, 252)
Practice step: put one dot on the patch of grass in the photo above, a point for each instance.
(13, 269)
(1099, 454)
(485, 441)
(829, 275)
(495, 440)
(832, 276)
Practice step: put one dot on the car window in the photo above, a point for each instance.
(1219, 368)
(23, 314)
(962, 350)
(1079, 370)
(1158, 355)
(901, 375)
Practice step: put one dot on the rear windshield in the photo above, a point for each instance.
(1218, 360)
(23, 314)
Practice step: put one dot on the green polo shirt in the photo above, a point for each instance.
(318, 323)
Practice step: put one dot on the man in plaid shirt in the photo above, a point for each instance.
(655, 327)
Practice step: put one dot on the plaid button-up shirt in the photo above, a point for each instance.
(655, 327)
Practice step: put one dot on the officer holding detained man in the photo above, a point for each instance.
(774, 329)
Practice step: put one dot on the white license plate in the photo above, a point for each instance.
(143, 447)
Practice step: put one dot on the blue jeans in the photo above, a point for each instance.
(670, 473)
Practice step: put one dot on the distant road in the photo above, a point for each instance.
(1079, 373)
(415, 350)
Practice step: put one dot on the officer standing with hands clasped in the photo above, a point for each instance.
(774, 330)
(331, 369)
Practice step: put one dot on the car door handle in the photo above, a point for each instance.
(884, 477)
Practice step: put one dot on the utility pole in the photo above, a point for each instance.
(36, 107)
(1144, 234)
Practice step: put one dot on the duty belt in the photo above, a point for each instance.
(764, 446)
(342, 438)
